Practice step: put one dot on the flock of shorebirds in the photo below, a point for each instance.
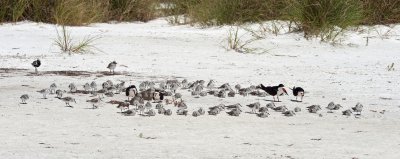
(140, 100)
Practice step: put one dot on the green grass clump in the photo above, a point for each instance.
(324, 18)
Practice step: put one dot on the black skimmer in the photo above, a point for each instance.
(36, 64)
(274, 90)
(131, 91)
(298, 91)
(112, 66)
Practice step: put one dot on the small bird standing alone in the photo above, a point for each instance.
(112, 66)
(24, 98)
(298, 92)
(36, 64)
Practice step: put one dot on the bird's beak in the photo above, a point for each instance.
(284, 90)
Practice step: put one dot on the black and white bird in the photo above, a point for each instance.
(131, 91)
(36, 64)
(67, 100)
(53, 88)
(112, 66)
(298, 92)
(358, 108)
(273, 90)
(24, 98)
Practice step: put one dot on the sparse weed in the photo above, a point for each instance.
(65, 42)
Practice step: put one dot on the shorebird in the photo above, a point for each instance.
(67, 100)
(106, 85)
(93, 86)
(148, 106)
(271, 105)
(161, 110)
(109, 94)
(184, 83)
(254, 107)
(231, 94)
(53, 88)
(214, 111)
(60, 93)
(129, 112)
(36, 64)
(201, 111)
(196, 113)
(96, 101)
(182, 105)
(131, 91)
(159, 106)
(289, 113)
(123, 106)
(263, 114)
(203, 93)
(141, 109)
(314, 108)
(337, 107)
(358, 108)
(273, 90)
(297, 109)
(234, 106)
(182, 112)
(168, 112)
(234, 112)
(347, 112)
(112, 66)
(280, 109)
(263, 109)
(211, 84)
(72, 88)
(331, 106)
(44, 92)
(119, 87)
(86, 87)
(238, 87)
(151, 112)
(221, 94)
(174, 87)
(298, 91)
(24, 98)
(225, 87)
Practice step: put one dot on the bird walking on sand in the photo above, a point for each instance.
(112, 66)
(298, 92)
(358, 108)
(93, 86)
(274, 90)
(44, 92)
(24, 98)
(36, 64)
(60, 93)
(67, 100)
(254, 107)
(86, 87)
(53, 88)
(72, 88)
(95, 102)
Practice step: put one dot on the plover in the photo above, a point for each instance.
(234, 106)
(182, 112)
(254, 107)
(214, 111)
(184, 83)
(297, 109)
(24, 98)
(44, 92)
(331, 106)
(280, 109)
(151, 112)
(273, 90)
(60, 93)
(168, 112)
(67, 100)
(231, 94)
(298, 92)
(93, 86)
(347, 112)
(53, 88)
(129, 112)
(263, 114)
(238, 87)
(161, 110)
(313, 108)
(196, 113)
(112, 66)
(289, 113)
(36, 64)
(337, 107)
(96, 101)
(234, 112)
(211, 84)
(72, 88)
(358, 108)
(86, 87)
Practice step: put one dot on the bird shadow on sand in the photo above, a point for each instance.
(295, 101)
(269, 100)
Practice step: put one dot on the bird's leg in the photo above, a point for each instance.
(36, 70)
(296, 98)
(273, 97)
(301, 98)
